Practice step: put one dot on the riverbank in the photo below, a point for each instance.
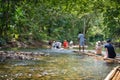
(25, 44)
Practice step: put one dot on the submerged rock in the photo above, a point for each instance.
(20, 55)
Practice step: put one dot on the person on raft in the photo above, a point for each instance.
(110, 51)
(98, 48)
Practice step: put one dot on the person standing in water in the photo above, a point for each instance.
(65, 44)
(81, 40)
(71, 44)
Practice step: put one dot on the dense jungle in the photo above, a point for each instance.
(29, 21)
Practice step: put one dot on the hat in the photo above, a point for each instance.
(98, 41)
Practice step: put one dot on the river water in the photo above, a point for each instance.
(59, 65)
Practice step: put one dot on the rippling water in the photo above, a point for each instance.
(59, 65)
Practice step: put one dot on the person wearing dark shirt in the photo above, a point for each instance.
(110, 52)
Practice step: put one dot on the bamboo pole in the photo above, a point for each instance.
(112, 74)
(116, 76)
(112, 59)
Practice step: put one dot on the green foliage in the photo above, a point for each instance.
(59, 19)
(111, 19)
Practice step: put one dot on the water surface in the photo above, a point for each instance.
(59, 65)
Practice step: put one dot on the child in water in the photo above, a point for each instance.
(98, 48)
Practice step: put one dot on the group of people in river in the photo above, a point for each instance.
(59, 45)
(109, 49)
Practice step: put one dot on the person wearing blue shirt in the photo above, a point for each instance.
(81, 41)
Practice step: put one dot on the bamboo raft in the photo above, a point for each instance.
(100, 57)
(114, 74)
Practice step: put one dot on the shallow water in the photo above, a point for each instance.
(59, 65)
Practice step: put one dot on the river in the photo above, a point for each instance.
(58, 65)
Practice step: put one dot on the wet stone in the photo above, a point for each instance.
(4, 55)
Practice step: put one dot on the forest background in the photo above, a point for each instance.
(29, 21)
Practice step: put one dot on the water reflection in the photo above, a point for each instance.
(57, 66)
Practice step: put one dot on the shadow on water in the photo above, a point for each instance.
(59, 65)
